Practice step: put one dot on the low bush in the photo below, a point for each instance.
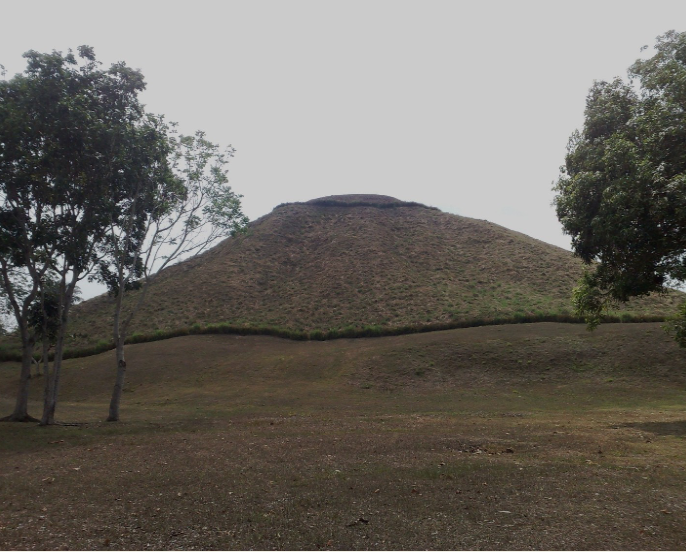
(318, 335)
(8, 354)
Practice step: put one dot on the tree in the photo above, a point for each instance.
(20, 291)
(68, 161)
(621, 195)
(44, 318)
(164, 220)
(5, 313)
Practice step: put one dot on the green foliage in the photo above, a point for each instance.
(103, 344)
(621, 195)
(589, 301)
(8, 354)
(76, 148)
(676, 325)
(44, 313)
(317, 335)
(66, 160)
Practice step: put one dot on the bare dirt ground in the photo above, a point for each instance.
(538, 436)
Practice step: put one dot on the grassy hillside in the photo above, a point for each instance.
(518, 437)
(356, 261)
(240, 372)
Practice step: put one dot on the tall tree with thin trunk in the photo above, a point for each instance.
(44, 320)
(165, 220)
(65, 169)
(20, 294)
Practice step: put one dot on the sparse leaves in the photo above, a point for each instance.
(179, 205)
(589, 301)
(676, 325)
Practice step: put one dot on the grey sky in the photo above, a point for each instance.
(466, 106)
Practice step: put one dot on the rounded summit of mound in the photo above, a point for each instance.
(356, 199)
(359, 200)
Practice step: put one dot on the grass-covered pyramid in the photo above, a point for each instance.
(356, 261)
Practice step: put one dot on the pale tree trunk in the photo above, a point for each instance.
(37, 363)
(47, 388)
(52, 385)
(53, 381)
(28, 341)
(21, 407)
(119, 383)
(118, 333)
(45, 342)
(46, 357)
(120, 330)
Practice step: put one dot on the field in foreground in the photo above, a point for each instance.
(503, 437)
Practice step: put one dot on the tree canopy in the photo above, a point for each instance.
(621, 195)
(75, 143)
(166, 220)
(93, 186)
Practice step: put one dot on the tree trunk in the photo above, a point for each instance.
(47, 389)
(53, 384)
(119, 383)
(46, 357)
(21, 408)
(119, 335)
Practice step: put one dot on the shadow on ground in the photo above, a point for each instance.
(677, 428)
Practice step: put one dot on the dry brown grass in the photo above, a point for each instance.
(509, 437)
(326, 266)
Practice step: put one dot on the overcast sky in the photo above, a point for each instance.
(466, 106)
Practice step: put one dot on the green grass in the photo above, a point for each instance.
(323, 266)
(348, 332)
(232, 442)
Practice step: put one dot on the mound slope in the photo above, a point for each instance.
(227, 372)
(359, 260)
